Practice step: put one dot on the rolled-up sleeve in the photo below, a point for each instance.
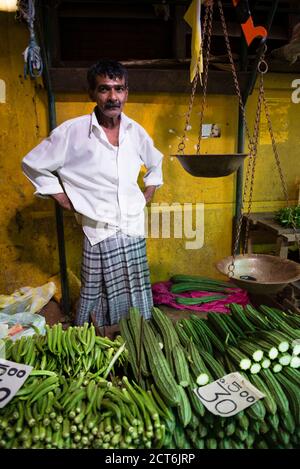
(152, 159)
(40, 163)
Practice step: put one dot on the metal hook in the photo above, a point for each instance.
(263, 63)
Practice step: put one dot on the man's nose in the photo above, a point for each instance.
(113, 94)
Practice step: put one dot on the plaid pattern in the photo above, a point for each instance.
(114, 277)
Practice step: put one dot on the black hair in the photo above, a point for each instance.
(105, 67)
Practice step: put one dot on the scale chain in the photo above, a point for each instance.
(234, 74)
(262, 100)
(252, 141)
(208, 27)
(181, 145)
(254, 158)
(277, 159)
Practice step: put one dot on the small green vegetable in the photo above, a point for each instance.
(288, 215)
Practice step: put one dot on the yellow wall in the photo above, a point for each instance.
(28, 251)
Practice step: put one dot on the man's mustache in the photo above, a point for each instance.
(111, 104)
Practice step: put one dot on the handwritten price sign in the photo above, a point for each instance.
(228, 395)
(12, 377)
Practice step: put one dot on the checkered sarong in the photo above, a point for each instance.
(114, 277)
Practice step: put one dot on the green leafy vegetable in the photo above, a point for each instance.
(286, 216)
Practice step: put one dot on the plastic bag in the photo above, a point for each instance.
(26, 320)
(27, 299)
(2, 348)
(3, 330)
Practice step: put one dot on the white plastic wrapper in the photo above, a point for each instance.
(26, 320)
(27, 299)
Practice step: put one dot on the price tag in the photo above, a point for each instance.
(12, 377)
(228, 395)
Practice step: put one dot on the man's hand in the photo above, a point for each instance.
(148, 193)
(63, 200)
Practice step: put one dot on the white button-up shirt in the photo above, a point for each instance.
(99, 178)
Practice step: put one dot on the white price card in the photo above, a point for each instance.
(12, 377)
(228, 395)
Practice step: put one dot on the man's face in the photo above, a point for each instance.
(110, 94)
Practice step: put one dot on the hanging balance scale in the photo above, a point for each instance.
(208, 165)
(256, 273)
(259, 273)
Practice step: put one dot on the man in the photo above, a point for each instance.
(90, 165)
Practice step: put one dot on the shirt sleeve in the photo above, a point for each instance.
(152, 159)
(40, 163)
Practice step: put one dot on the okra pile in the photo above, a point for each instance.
(67, 402)
(51, 411)
(66, 352)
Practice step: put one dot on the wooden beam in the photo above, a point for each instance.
(180, 29)
(149, 80)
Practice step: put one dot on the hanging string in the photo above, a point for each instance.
(33, 64)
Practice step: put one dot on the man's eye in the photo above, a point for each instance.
(120, 88)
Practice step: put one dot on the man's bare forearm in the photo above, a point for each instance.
(63, 200)
(149, 192)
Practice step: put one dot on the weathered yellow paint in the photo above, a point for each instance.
(25, 258)
(27, 231)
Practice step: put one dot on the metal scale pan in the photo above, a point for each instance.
(261, 273)
(211, 166)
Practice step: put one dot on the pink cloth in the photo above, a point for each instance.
(163, 295)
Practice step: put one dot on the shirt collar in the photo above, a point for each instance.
(125, 124)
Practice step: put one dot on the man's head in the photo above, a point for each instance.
(109, 68)
(108, 87)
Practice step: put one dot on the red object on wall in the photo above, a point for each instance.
(250, 31)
